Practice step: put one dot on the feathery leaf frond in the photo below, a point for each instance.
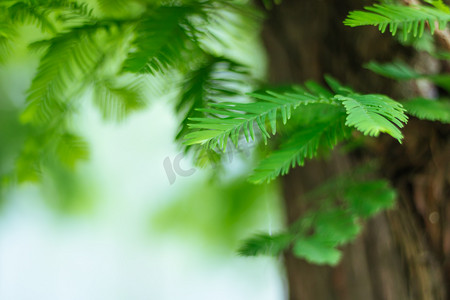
(115, 7)
(27, 13)
(439, 4)
(161, 40)
(44, 13)
(49, 144)
(401, 71)
(7, 33)
(335, 221)
(268, 4)
(395, 70)
(317, 250)
(377, 196)
(304, 144)
(234, 118)
(70, 149)
(429, 109)
(372, 114)
(218, 79)
(70, 58)
(264, 244)
(116, 100)
(409, 19)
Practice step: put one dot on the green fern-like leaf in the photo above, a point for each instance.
(268, 4)
(43, 14)
(317, 250)
(373, 114)
(161, 40)
(304, 144)
(401, 71)
(396, 70)
(368, 198)
(28, 167)
(115, 100)
(70, 149)
(428, 109)
(70, 58)
(264, 244)
(28, 13)
(236, 118)
(337, 225)
(118, 8)
(48, 145)
(218, 79)
(439, 4)
(410, 19)
(7, 34)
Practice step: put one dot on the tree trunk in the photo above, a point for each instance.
(404, 253)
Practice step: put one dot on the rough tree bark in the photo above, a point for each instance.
(404, 253)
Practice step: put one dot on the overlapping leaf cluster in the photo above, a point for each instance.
(344, 203)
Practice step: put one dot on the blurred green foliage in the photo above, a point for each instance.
(120, 54)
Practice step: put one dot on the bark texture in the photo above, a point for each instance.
(404, 253)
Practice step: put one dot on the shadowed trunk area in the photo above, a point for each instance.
(404, 253)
